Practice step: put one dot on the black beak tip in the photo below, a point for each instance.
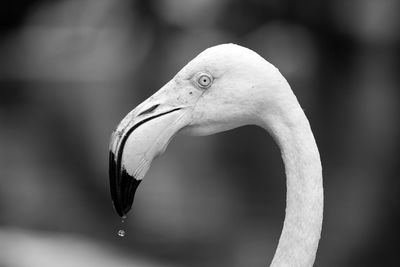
(123, 188)
(118, 209)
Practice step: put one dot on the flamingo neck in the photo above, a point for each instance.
(301, 231)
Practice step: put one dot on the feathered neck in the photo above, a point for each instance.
(301, 231)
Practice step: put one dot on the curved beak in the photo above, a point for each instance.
(140, 137)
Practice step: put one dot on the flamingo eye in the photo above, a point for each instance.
(204, 80)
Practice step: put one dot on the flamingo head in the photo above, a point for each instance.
(224, 87)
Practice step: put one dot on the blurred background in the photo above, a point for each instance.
(71, 69)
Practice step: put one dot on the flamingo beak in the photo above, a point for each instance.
(140, 137)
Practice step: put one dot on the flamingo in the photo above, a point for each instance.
(225, 87)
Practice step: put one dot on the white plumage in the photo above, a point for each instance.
(225, 87)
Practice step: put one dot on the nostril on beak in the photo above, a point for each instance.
(149, 110)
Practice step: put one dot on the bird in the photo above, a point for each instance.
(224, 87)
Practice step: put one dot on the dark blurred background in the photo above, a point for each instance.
(71, 69)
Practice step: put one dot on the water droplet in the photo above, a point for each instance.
(121, 233)
(124, 217)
